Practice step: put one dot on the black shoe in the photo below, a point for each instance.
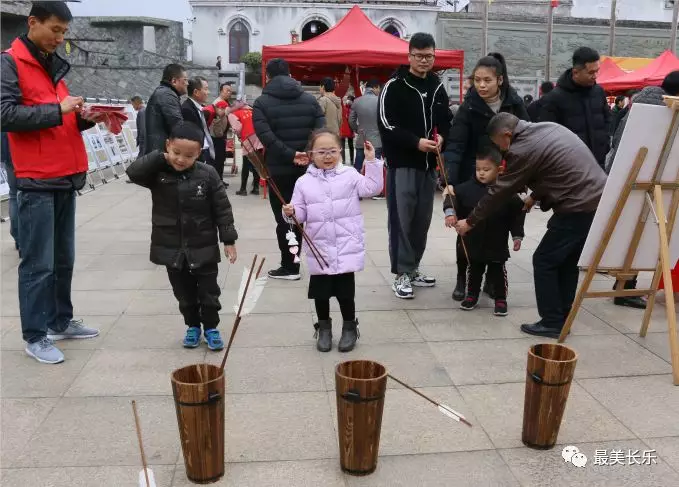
(469, 303)
(349, 336)
(459, 291)
(488, 289)
(255, 191)
(284, 274)
(324, 335)
(501, 308)
(631, 302)
(538, 329)
(242, 192)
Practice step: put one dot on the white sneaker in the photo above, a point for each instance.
(75, 331)
(44, 351)
(402, 287)
(420, 280)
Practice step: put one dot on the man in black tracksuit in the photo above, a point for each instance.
(580, 105)
(413, 118)
(284, 117)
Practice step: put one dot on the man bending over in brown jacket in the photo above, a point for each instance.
(565, 177)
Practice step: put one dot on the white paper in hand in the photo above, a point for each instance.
(142, 478)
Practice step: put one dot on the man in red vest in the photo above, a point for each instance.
(241, 123)
(50, 164)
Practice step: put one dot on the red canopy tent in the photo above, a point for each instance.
(651, 75)
(608, 71)
(356, 46)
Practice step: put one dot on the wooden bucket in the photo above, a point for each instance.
(360, 386)
(548, 379)
(199, 399)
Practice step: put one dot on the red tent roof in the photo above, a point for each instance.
(355, 41)
(608, 70)
(651, 75)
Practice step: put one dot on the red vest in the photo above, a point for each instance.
(44, 153)
(245, 117)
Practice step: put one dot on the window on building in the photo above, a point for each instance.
(393, 30)
(239, 42)
(313, 28)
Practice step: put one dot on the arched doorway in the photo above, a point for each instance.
(393, 30)
(239, 42)
(313, 28)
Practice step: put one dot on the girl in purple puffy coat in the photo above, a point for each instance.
(326, 199)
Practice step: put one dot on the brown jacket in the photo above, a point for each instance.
(332, 109)
(554, 163)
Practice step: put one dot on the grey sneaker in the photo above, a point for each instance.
(420, 280)
(45, 352)
(75, 331)
(402, 287)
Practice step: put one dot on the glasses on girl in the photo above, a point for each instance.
(326, 153)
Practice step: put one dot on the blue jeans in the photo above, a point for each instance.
(47, 236)
(360, 157)
(13, 216)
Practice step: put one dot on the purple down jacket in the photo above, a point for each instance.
(327, 202)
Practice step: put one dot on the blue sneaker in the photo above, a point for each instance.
(192, 338)
(214, 340)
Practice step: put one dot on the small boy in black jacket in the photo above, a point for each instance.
(487, 242)
(190, 211)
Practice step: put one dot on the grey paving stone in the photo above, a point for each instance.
(117, 263)
(84, 476)
(548, 468)
(153, 303)
(626, 320)
(449, 325)
(585, 322)
(94, 431)
(470, 469)
(143, 332)
(307, 473)
(21, 418)
(657, 343)
(499, 409)
(102, 280)
(667, 448)
(411, 362)
(99, 303)
(271, 369)
(646, 405)
(271, 330)
(273, 427)
(132, 372)
(23, 376)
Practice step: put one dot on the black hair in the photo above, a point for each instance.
(671, 83)
(172, 71)
(528, 99)
(487, 151)
(584, 55)
(328, 84)
(277, 67)
(45, 10)
(187, 131)
(317, 133)
(422, 40)
(495, 61)
(619, 98)
(372, 83)
(546, 87)
(195, 83)
(501, 122)
(136, 98)
(351, 97)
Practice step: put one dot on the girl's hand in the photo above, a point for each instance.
(369, 151)
(451, 221)
(288, 210)
(230, 252)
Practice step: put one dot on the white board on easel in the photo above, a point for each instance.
(647, 126)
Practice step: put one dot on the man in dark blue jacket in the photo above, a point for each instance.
(413, 118)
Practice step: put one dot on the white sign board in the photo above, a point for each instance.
(646, 126)
(4, 186)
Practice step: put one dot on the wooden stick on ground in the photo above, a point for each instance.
(141, 444)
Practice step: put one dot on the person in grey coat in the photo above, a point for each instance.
(363, 121)
(164, 110)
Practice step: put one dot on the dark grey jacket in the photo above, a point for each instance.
(141, 130)
(284, 117)
(163, 111)
(363, 119)
(190, 211)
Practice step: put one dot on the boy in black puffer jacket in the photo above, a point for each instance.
(191, 215)
(486, 243)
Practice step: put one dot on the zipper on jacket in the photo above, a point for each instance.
(424, 115)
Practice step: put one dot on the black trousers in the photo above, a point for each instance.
(248, 168)
(350, 141)
(555, 266)
(461, 260)
(286, 185)
(197, 292)
(220, 155)
(496, 277)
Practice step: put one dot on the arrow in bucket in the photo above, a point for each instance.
(446, 410)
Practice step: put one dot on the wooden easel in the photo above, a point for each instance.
(653, 204)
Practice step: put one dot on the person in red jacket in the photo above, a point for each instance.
(345, 131)
(50, 162)
(241, 123)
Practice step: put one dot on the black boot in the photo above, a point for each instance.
(324, 335)
(242, 192)
(631, 302)
(349, 336)
(459, 291)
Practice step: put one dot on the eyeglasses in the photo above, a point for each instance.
(326, 153)
(424, 57)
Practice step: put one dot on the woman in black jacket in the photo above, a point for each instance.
(490, 94)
